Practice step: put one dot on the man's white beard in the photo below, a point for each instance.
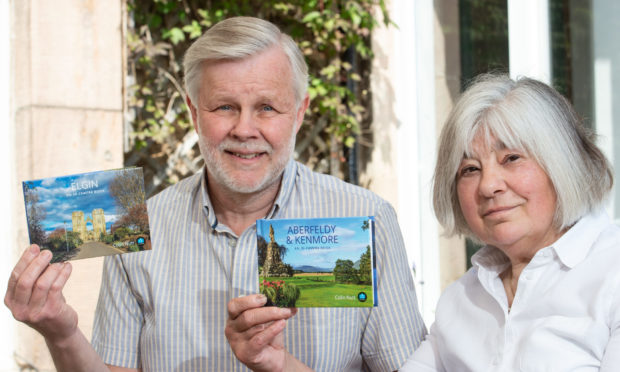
(215, 167)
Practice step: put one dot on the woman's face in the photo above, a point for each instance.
(508, 201)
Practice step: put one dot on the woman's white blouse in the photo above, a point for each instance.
(565, 315)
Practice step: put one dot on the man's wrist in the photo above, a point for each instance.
(292, 364)
(66, 341)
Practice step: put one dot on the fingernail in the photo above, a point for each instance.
(261, 298)
(47, 254)
(285, 311)
(34, 249)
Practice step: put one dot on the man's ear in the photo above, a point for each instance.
(192, 111)
(301, 111)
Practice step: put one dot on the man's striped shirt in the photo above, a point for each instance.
(165, 309)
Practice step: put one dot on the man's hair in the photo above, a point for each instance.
(238, 38)
(529, 116)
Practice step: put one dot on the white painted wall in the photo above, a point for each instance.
(606, 54)
(413, 82)
(529, 39)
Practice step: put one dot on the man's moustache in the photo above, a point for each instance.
(244, 146)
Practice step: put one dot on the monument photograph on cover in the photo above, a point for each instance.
(88, 215)
(319, 262)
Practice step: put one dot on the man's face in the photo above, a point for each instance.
(247, 118)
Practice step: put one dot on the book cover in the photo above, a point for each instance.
(317, 262)
(89, 214)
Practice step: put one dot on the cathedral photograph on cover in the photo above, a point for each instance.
(88, 215)
(318, 262)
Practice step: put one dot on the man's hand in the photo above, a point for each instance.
(34, 295)
(255, 333)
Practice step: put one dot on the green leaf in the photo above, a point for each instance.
(154, 21)
(194, 30)
(312, 93)
(356, 19)
(146, 91)
(175, 35)
(140, 144)
(329, 71)
(329, 24)
(282, 7)
(311, 17)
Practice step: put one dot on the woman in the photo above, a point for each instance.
(518, 172)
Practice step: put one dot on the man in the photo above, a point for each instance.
(190, 304)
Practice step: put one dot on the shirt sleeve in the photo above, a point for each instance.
(395, 327)
(611, 357)
(425, 358)
(118, 317)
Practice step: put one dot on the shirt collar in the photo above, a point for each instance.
(571, 248)
(286, 187)
(206, 201)
(574, 245)
(490, 258)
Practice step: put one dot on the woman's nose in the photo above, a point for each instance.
(492, 181)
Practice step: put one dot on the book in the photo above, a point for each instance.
(88, 215)
(317, 262)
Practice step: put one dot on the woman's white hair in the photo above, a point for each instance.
(238, 38)
(532, 117)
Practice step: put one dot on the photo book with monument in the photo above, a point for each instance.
(317, 262)
(89, 214)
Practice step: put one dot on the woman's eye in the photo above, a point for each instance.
(468, 170)
(512, 157)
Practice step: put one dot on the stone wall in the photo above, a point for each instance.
(67, 103)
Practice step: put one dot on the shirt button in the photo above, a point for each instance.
(232, 243)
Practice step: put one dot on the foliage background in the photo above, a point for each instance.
(334, 36)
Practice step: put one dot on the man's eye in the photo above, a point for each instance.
(268, 108)
(225, 108)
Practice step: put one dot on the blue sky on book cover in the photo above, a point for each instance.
(60, 196)
(320, 242)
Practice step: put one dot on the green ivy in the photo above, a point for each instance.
(160, 31)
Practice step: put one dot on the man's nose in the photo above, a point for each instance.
(245, 126)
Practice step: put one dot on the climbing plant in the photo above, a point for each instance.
(334, 36)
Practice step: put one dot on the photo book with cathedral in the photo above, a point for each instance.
(317, 262)
(89, 214)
